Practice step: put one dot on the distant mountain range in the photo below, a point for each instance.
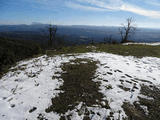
(76, 33)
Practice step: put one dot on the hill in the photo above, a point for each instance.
(84, 83)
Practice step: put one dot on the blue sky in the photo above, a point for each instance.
(81, 12)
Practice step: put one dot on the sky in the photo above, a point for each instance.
(81, 12)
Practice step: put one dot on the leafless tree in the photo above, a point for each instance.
(92, 41)
(127, 29)
(108, 39)
(52, 36)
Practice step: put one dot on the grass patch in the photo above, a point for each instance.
(133, 50)
(136, 112)
(78, 87)
(125, 50)
(133, 113)
(153, 105)
(70, 49)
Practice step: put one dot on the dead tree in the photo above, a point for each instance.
(105, 40)
(92, 41)
(52, 36)
(108, 39)
(127, 29)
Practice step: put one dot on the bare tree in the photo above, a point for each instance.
(127, 29)
(92, 41)
(108, 39)
(52, 36)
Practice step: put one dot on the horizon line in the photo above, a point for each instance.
(75, 25)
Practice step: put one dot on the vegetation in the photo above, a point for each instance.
(126, 50)
(78, 87)
(12, 51)
(127, 30)
(52, 36)
(131, 50)
(136, 112)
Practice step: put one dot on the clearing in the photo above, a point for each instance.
(82, 86)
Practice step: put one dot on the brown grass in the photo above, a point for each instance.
(78, 87)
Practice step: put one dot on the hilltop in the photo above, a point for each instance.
(83, 83)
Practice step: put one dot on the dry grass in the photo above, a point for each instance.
(136, 112)
(125, 50)
(78, 87)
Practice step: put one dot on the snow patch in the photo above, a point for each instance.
(33, 85)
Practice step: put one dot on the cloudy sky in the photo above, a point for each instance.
(81, 12)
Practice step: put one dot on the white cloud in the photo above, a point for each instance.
(78, 6)
(106, 4)
(116, 5)
(140, 11)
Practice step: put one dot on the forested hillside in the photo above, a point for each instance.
(12, 51)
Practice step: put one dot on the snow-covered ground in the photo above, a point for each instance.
(26, 91)
(152, 44)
